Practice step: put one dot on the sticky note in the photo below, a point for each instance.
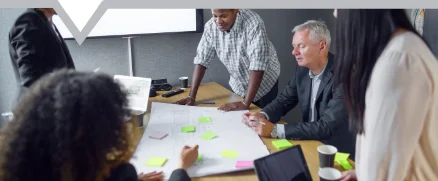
(341, 156)
(243, 164)
(199, 157)
(345, 165)
(188, 129)
(157, 135)
(204, 119)
(229, 154)
(156, 161)
(208, 135)
(282, 144)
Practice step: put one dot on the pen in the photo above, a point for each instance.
(257, 121)
(207, 103)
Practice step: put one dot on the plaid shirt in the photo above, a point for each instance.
(244, 48)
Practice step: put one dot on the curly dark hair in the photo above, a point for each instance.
(70, 126)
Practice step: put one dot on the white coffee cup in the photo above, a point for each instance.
(329, 174)
(327, 149)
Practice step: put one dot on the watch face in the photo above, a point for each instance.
(274, 132)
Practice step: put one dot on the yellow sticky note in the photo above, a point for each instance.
(199, 157)
(204, 119)
(345, 165)
(208, 135)
(341, 156)
(188, 129)
(282, 144)
(156, 161)
(229, 154)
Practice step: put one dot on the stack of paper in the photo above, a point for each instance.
(222, 138)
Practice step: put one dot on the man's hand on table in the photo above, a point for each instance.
(186, 101)
(264, 128)
(234, 106)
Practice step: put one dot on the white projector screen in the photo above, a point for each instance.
(128, 22)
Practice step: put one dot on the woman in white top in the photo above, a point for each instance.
(390, 78)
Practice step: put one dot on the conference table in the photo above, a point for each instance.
(220, 95)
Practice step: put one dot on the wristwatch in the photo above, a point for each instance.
(274, 132)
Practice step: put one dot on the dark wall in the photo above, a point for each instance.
(430, 29)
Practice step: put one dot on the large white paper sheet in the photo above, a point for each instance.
(231, 133)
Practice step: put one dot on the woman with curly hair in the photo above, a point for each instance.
(70, 127)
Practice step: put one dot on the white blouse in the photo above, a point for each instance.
(401, 116)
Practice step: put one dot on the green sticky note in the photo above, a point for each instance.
(341, 156)
(156, 161)
(345, 165)
(282, 144)
(229, 154)
(188, 129)
(204, 119)
(208, 135)
(199, 157)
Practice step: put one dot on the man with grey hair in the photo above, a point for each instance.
(324, 114)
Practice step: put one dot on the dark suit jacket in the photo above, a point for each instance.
(127, 172)
(331, 117)
(35, 48)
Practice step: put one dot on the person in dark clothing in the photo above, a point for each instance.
(70, 126)
(36, 47)
(324, 113)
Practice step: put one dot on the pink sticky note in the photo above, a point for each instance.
(157, 135)
(243, 164)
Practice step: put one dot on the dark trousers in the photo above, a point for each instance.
(268, 98)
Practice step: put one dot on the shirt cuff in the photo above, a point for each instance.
(258, 66)
(266, 115)
(281, 133)
(202, 62)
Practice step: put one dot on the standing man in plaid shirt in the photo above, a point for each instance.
(238, 37)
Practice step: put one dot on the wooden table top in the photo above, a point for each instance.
(219, 94)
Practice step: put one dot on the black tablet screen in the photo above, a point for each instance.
(286, 165)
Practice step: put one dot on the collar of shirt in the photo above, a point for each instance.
(319, 75)
(237, 24)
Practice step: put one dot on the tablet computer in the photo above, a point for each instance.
(286, 165)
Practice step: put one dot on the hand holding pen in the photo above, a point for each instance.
(258, 122)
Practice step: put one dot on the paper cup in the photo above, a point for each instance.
(327, 155)
(329, 174)
(184, 81)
